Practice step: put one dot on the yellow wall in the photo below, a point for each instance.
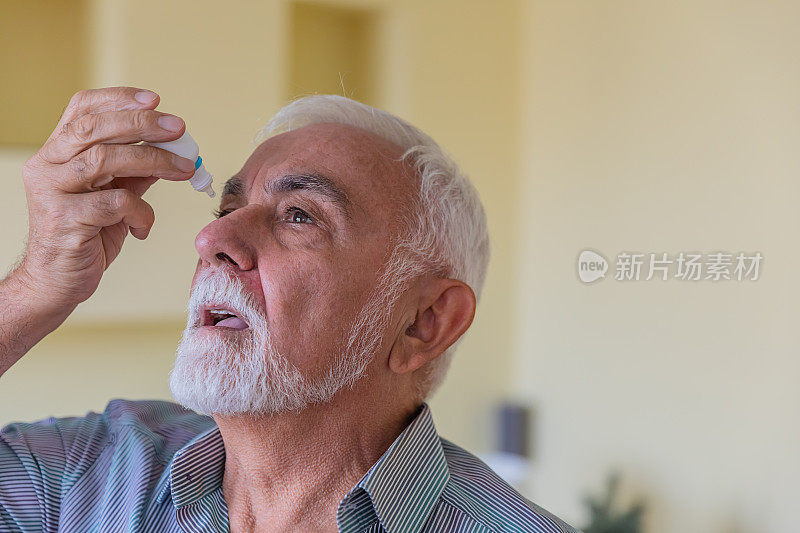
(663, 127)
(332, 51)
(43, 58)
(79, 368)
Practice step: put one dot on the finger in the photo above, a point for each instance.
(106, 99)
(111, 127)
(105, 208)
(138, 186)
(101, 163)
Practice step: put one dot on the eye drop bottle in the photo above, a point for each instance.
(186, 147)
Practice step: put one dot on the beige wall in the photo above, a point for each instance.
(663, 127)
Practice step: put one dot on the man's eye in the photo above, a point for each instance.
(298, 216)
(219, 213)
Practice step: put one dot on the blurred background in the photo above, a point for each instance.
(615, 126)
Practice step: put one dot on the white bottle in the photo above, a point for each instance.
(186, 147)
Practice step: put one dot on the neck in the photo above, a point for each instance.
(290, 470)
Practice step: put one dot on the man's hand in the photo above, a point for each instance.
(84, 189)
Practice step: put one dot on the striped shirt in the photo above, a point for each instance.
(152, 466)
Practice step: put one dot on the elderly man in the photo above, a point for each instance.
(330, 292)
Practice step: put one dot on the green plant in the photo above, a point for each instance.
(606, 519)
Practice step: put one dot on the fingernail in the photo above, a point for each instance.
(170, 122)
(145, 97)
(181, 163)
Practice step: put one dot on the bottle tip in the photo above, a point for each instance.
(209, 191)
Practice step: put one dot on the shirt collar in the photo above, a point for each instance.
(405, 483)
(194, 470)
(401, 488)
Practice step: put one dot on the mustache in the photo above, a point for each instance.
(223, 288)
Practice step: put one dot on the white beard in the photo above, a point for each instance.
(241, 372)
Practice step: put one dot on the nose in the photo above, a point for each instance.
(225, 241)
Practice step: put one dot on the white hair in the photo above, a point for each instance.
(445, 231)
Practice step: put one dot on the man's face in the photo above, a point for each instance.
(308, 224)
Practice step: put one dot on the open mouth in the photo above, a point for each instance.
(222, 317)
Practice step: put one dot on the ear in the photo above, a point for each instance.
(445, 309)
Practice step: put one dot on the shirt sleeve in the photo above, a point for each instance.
(39, 463)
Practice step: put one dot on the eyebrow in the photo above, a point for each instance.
(311, 181)
(233, 187)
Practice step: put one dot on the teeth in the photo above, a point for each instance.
(219, 312)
